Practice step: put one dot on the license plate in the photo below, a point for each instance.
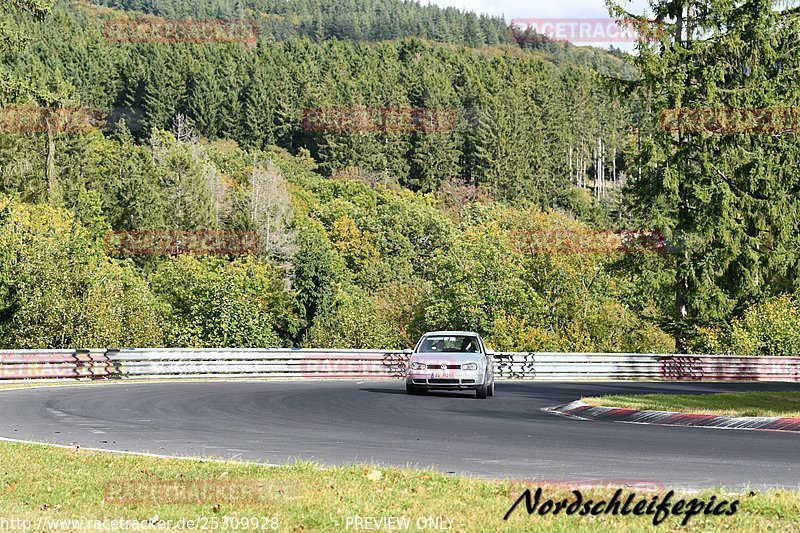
(444, 375)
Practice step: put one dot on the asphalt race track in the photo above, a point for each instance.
(344, 422)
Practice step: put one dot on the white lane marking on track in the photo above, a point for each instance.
(141, 454)
(51, 384)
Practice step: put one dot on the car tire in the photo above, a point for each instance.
(482, 392)
(411, 389)
(490, 390)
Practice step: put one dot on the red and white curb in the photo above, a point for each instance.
(582, 411)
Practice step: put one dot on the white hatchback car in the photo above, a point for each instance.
(451, 360)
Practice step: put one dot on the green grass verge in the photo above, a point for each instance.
(41, 482)
(781, 404)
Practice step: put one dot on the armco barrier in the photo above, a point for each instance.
(280, 363)
(53, 364)
(168, 363)
(646, 366)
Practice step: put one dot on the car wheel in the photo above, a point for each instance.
(482, 392)
(490, 390)
(410, 389)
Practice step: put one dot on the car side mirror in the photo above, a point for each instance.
(408, 351)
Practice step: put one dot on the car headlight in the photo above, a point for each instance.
(416, 365)
(470, 366)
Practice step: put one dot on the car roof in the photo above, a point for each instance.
(452, 333)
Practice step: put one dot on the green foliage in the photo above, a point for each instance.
(12, 13)
(477, 278)
(214, 303)
(537, 301)
(726, 198)
(349, 241)
(184, 189)
(515, 334)
(367, 20)
(769, 328)
(57, 290)
(525, 128)
(350, 319)
(372, 237)
(317, 267)
(119, 310)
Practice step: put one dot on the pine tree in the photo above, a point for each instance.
(136, 202)
(727, 197)
(164, 89)
(204, 101)
(12, 87)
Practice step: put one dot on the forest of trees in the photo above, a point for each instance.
(359, 20)
(374, 20)
(552, 117)
(367, 239)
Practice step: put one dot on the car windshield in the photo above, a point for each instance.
(450, 343)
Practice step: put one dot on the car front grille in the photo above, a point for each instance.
(443, 381)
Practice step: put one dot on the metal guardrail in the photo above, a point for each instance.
(167, 363)
(281, 363)
(667, 367)
(54, 364)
